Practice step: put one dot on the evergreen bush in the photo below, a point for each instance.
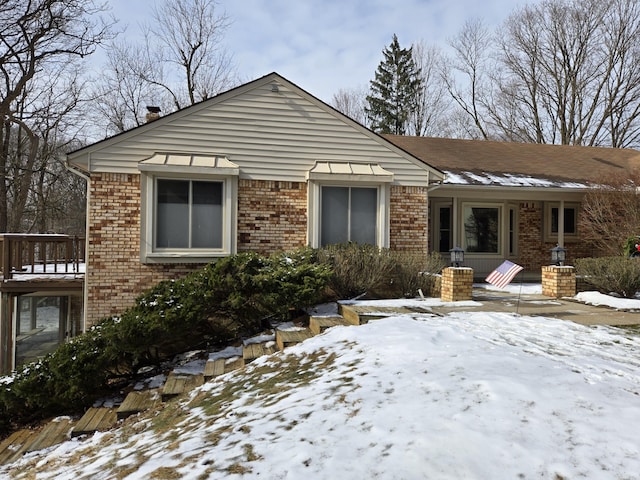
(619, 274)
(214, 305)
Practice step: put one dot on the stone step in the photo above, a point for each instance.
(254, 350)
(15, 445)
(349, 313)
(286, 338)
(138, 401)
(362, 314)
(56, 431)
(220, 366)
(95, 419)
(179, 383)
(318, 325)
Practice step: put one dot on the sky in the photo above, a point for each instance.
(473, 395)
(327, 45)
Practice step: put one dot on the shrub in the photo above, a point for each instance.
(213, 305)
(357, 269)
(620, 275)
(415, 271)
(382, 273)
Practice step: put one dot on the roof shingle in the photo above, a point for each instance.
(555, 163)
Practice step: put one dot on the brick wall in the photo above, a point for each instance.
(272, 216)
(115, 276)
(533, 251)
(408, 219)
(558, 282)
(456, 284)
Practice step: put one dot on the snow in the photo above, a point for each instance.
(466, 395)
(506, 180)
(64, 271)
(597, 298)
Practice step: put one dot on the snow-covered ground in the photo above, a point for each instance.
(465, 396)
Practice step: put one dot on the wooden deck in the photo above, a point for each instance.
(40, 258)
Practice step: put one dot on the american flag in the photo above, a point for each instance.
(502, 276)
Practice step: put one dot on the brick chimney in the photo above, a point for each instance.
(153, 113)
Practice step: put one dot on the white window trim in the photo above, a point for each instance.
(512, 207)
(314, 207)
(436, 205)
(149, 254)
(551, 237)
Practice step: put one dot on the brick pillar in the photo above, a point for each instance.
(457, 283)
(558, 281)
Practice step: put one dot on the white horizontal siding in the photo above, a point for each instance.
(269, 135)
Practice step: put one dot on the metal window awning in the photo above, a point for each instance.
(349, 171)
(189, 163)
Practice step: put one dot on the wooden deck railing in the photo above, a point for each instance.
(25, 254)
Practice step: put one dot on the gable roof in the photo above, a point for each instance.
(519, 164)
(262, 122)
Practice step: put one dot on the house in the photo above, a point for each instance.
(268, 167)
(263, 167)
(514, 201)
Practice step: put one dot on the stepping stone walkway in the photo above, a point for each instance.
(176, 384)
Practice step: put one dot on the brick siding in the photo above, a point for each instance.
(533, 251)
(272, 215)
(115, 276)
(408, 219)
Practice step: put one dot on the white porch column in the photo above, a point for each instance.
(561, 224)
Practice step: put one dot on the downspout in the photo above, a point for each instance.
(85, 289)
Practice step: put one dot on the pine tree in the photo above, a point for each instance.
(394, 91)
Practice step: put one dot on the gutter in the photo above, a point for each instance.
(85, 293)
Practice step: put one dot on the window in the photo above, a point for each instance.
(569, 220)
(188, 208)
(348, 202)
(348, 214)
(552, 221)
(444, 232)
(481, 228)
(513, 231)
(188, 214)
